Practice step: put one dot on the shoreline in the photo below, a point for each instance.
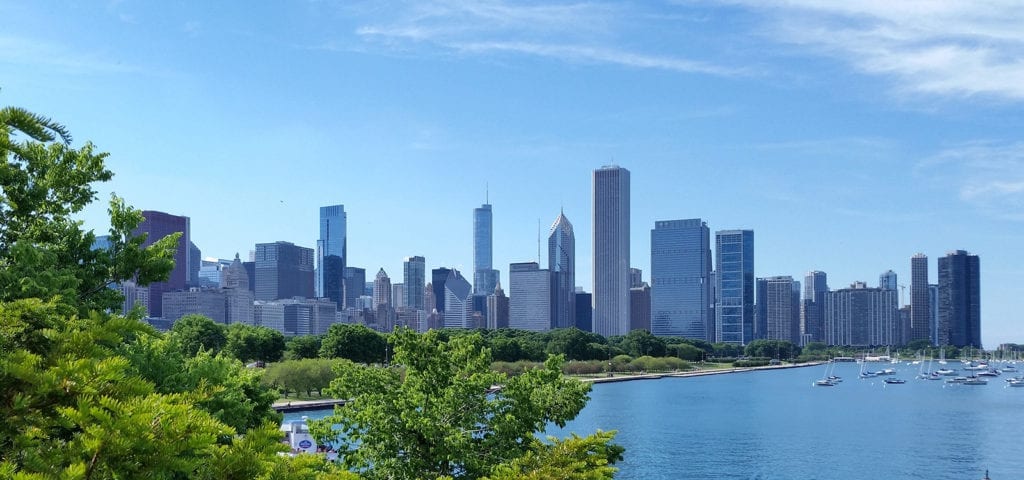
(302, 405)
(697, 373)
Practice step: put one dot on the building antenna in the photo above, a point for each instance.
(538, 241)
(487, 192)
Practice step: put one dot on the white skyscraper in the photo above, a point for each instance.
(611, 251)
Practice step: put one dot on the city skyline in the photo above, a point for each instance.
(800, 121)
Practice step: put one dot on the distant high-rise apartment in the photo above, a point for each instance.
(530, 297)
(778, 309)
(960, 300)
(611, 251)
(195, 260)
(355, 279)
(283, 270)
(887, 281)
(381, 290)
(331, 254)
(429, 300)
(562, 265)
(485, 277)
(812, 309)
(681, 279)
(414, 275)
(861, 316)
(497, 309)
(933, 309)
(209, 303)
(640, 307)
(734, 277)
(156, 226)
(919, 311)
(458, 301)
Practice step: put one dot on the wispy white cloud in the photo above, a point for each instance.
(985, 175)
(584, 33)
(934, 47)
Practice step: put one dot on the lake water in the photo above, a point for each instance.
(776, 425)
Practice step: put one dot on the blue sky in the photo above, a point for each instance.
(848, 135)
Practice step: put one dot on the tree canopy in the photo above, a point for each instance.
(434, 414)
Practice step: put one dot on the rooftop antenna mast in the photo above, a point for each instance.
(487, 192)
(538, 242)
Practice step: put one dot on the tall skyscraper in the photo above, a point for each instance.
(681, 279)
(156, 226)
(812, 309)
(529, 297)
(933, 309)
(381, 290)
(611, 251)
(485, 277)
(636, 277)
(283, 270)
(919, 311)
(562, 264)
(398, 295)
(331, 254)
(355, 279)
(734, 277)
(960, 300)
(414, 274)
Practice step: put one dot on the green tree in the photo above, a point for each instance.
(302, 346)
(638, 343)
(771, 349)
(434, 415)
(76, 389)
(686, 351)
(358, 343)
(574, 343)
(247, 343)
(193, 333)
(725, 350)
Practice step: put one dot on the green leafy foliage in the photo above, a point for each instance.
(437, 416)
(301, 376)
(248, 343)
(302, 346)
(354, 342)
(86, 393)
(193, 333)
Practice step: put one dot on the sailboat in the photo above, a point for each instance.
(827, 379)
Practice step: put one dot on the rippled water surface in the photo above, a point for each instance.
(776, 425)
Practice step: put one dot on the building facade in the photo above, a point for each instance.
(812, 308)
(283, 270)
(584, 311)
(920, 313)
(530, 297)
(681, 279)
(734, 286)
(332, 254)
(355, 279)
(640, 307)
(458, 301)
(777, 314)
(611, 250)
(860, 316)
(485, 277)
(960, 300)
(497, 309)
(562, 265)
(157, 225)
(414, 275)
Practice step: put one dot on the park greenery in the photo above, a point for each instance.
(88, 392)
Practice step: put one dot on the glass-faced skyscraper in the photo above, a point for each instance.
(331, 255)
(562, 264)
(734, 275)
(681, 279)
(157, 225)
(415, 277)
(960, 300)
(611, 250)
(485, 277)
